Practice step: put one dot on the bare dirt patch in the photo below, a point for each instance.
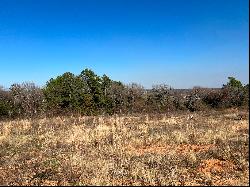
(216, 170)
(216, 166)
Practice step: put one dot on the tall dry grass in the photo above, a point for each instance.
(175, 149)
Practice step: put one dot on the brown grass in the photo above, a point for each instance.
(173, 149)
(179, 149)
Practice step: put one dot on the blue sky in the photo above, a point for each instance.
(182, 43)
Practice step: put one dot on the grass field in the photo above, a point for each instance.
(202, 148)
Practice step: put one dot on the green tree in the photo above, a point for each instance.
(233, 93)
(66, 92)
(105, 84)
(94, 89)
(234, 83)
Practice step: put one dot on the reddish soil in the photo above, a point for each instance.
(215, 166)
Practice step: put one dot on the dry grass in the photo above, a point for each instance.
(179, 149)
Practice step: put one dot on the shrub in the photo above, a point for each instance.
(194, 100)
(27, 98)
(159, 98)
(213, 98)
(134, 98)
(90, 94)
(5, 103)
(246, 95)
(115, 98)
(66, 93)
(95, 89)
(179, 101)
(233, 93)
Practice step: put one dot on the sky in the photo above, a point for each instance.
(181, 43)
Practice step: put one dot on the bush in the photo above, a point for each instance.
(194, 100)
(90, 94)
(115, 98)
(246, 95)
(27, 98)
(94, 89)
(86, 94)
(66, 93)
(233, 93)
(134, 94)
(179, 101)
(159, 99)
(5, 103)
(213, 98)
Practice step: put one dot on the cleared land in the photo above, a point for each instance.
(202, 148)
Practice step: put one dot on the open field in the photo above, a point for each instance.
(201, 148)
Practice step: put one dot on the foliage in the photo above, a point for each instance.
(159, 98)
(66, 92)
(213, 98)
(5, 103)
(234, 83)
(90, 94)
(233, 93)
(115, 98)
(194, 100)
(134, 95)
(94, 89)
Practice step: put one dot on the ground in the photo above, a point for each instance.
(181, 148)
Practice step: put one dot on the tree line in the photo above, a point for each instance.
(90, 94)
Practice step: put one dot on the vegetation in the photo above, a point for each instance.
(184, 148)
(90, 94)
(91, 130)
